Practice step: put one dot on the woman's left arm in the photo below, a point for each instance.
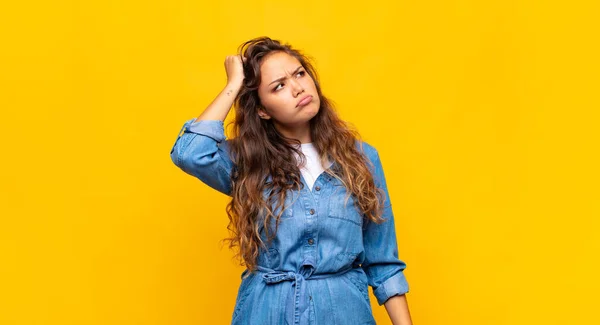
(385, 271)
(397, 309)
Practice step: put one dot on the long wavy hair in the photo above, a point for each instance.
(259, 151)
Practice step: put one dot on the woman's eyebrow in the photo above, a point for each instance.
(279, 79)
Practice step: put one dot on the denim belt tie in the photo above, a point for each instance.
(298, 303)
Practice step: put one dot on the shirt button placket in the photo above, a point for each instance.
(310, 232)
(311, 240)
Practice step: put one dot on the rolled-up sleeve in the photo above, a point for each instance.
(383, 267)
(200, 150)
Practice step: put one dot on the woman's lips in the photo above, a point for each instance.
(305, 101)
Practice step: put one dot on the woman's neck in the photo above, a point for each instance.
(300, 133)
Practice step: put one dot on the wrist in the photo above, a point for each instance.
(235, 84)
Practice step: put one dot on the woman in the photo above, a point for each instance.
(310, 212)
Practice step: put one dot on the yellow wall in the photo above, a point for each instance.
(484, 113)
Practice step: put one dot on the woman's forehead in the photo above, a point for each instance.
(277, 65)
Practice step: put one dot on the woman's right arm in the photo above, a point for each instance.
(200, 149)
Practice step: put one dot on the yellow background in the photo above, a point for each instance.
(485, 114)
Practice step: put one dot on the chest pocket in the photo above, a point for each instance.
(288, 206)
(341, 209)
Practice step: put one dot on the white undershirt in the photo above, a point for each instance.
(313, 167)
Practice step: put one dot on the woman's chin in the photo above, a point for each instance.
(310, 110)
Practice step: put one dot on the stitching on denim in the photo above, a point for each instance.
(345, 219)
(334, 210)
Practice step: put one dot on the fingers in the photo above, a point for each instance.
(234, 67)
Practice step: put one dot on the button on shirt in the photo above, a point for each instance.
(325, 255)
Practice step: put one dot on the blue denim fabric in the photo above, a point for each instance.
(319, 267)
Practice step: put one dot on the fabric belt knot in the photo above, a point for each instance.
(296, 304)
(276, 277)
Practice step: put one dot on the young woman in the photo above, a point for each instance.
(310, 212)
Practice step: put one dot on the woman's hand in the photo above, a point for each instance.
(235, 70)
(220, 106)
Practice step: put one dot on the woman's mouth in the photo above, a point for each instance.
(304, 101)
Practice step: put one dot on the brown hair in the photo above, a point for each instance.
(259, 150)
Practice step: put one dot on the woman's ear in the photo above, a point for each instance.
(263, 114)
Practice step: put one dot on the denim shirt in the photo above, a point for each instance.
(323, 247)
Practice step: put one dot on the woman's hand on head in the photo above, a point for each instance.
(235, 70)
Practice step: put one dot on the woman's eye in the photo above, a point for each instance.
(300, 73)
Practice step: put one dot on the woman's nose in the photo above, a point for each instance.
(297, 87)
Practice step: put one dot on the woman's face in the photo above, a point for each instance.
(286, 91)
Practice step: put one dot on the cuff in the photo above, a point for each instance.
(210, 128)
(396, 285)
